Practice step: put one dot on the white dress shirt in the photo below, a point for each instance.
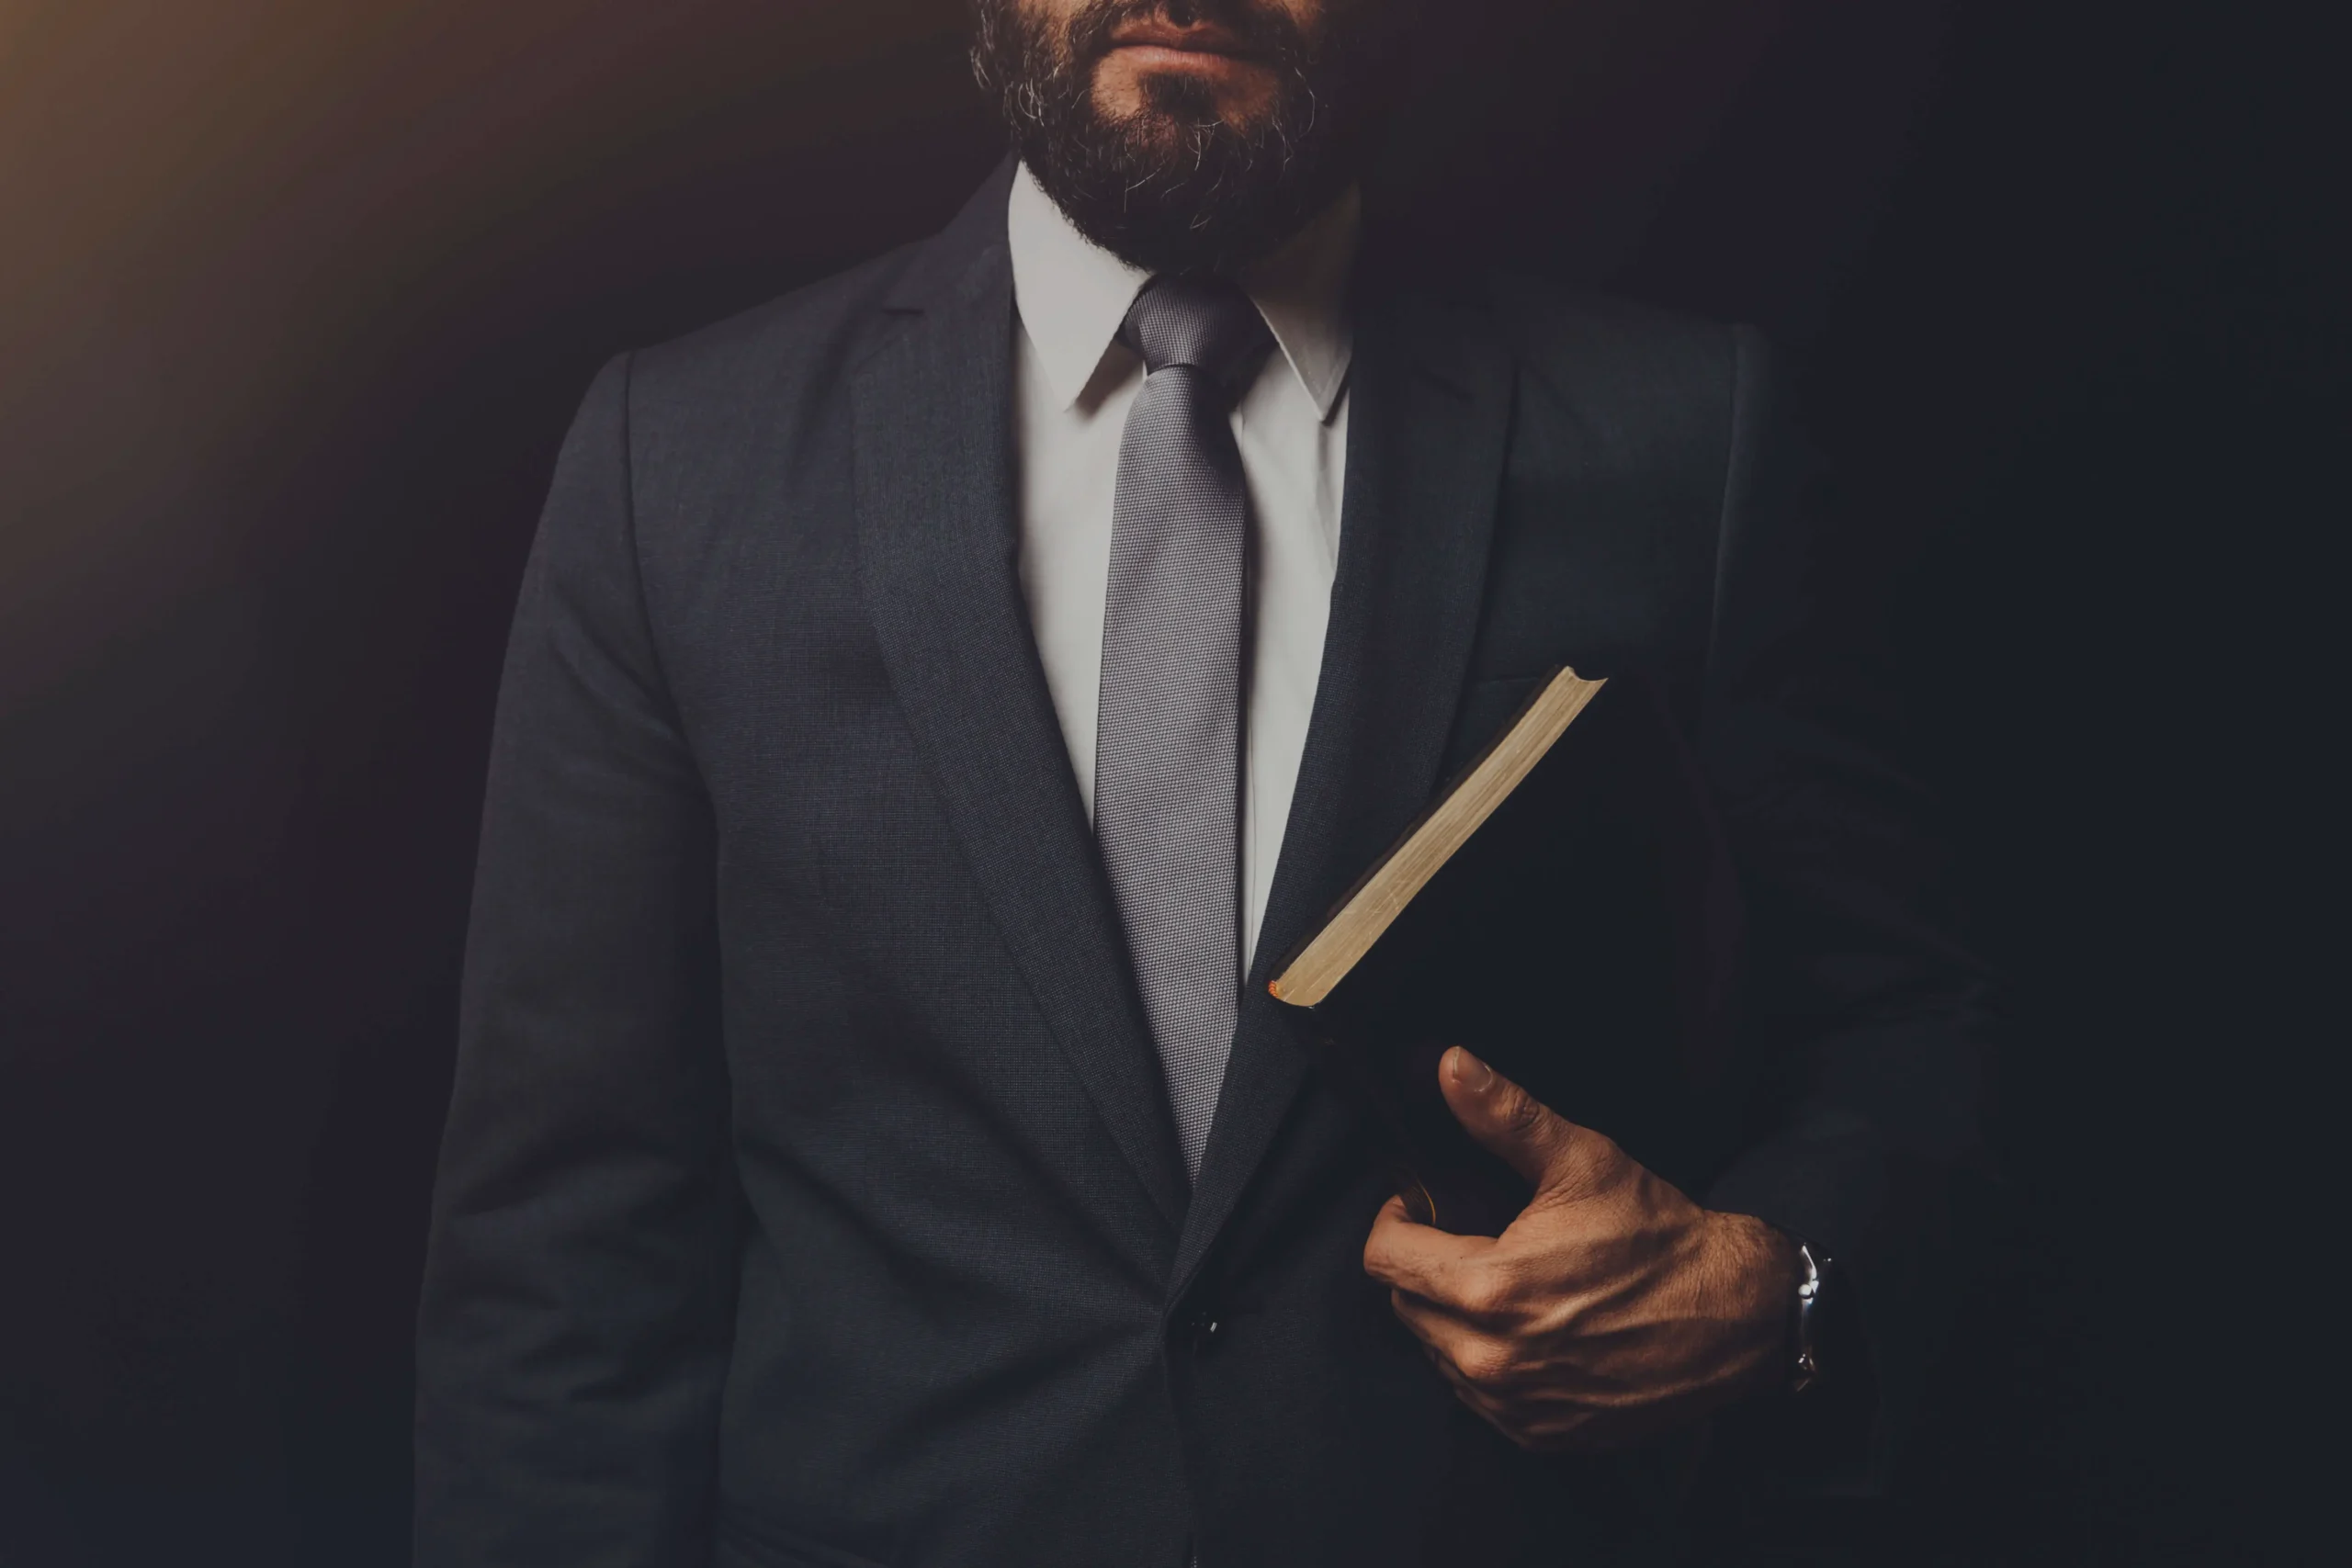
(1073, 381)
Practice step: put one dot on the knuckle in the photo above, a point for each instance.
(1485, 1294)
(1485, 1364)
(1475, 1296)
(1522, 1112)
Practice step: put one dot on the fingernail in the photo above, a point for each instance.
(1471, 1073)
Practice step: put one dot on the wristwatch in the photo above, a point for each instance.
(1813, 1275)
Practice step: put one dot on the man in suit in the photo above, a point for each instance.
(938, 701)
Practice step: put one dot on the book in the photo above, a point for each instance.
(1565, 909)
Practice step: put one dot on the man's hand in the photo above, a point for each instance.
(1612, 1309)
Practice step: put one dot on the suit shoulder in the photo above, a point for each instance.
(800, 337)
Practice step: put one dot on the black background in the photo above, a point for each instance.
(296, 297)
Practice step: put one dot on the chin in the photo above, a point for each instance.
(1180, 98)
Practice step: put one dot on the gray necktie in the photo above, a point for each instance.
(1168, 740)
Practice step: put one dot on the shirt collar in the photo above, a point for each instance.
(1072, 294)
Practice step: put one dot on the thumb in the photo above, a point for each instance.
(1517, 1128)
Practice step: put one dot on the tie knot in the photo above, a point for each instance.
(1208, 324)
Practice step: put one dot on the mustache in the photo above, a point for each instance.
(1262, 32)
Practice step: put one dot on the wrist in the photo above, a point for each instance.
(1764, 1260)
(1758, 1271)
(1787, 1286)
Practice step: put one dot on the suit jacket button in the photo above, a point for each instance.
(1200, 1328)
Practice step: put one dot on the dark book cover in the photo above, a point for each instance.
(1584, 941)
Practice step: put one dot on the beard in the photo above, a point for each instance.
(1173, 187)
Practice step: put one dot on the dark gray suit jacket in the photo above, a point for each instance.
(809, 1194)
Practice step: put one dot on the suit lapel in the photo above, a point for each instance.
(939, 544)
(1429, 407)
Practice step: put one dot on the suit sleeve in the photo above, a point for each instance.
(579, 1290)
(1870, 1018)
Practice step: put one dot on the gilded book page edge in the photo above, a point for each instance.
(1367, 913)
